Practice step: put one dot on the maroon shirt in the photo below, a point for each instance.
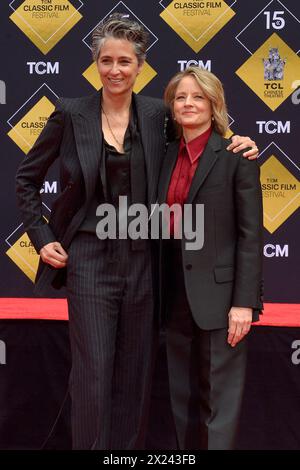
(183, 173)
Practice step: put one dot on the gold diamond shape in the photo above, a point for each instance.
(252, 73)
(45, 22)
(23, 254)
(199, 22)
(229, 133)
(27, 130)
(147, 74)
(280, 193)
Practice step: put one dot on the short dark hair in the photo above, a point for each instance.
(119, 26)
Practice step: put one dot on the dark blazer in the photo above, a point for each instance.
(227, 271)
(73, 135)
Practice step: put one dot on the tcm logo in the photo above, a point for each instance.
(183, 64)
(276, 250)
(296, 354)
(49, 188)
(2, 92)
(2, 352)
(273, 127)
(42, 68)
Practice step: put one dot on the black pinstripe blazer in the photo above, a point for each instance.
(73, 135)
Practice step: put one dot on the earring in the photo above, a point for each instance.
(212, 118)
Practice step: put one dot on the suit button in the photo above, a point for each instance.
(188, 267)
(70, 184)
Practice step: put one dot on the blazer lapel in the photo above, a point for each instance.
(167, 170)
(88, 137)
(153, 141)
(206, 164)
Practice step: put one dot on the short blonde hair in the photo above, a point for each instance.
(213, 90)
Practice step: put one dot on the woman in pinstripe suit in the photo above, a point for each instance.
(109, 144)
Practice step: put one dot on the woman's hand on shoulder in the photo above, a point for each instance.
(239, 143)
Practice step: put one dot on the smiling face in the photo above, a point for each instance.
(118, 66)
(191, 108)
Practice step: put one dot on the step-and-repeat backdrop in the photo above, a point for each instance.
(253, 47)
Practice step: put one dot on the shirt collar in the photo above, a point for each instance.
(196, 146)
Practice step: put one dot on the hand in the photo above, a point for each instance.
(240, 319)
(239, 143)
(54, 254)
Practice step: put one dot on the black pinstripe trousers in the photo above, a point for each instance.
(110, 301)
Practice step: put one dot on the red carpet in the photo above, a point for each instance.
(56, 309)
(33, 309)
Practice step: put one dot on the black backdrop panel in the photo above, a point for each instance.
(275, 131)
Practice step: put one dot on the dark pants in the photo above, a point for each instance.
(206, 374)
(110, 300)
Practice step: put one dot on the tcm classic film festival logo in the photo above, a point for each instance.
(22, 252)
(26, 125)
(147, 74)
(270, 72)
(281, 189)
(273, 66)
(30, 119)
(197, 22)
(45, 22)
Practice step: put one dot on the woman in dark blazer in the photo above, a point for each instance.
(109, 144)
(210, 293)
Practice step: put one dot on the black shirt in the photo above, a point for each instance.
(124, 175)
